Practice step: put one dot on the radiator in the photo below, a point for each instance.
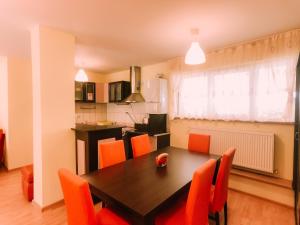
(254, 150)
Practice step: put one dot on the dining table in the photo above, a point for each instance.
(138, 190)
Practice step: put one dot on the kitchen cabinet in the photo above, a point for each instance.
(118, 91)
(85, 92)
(156, 91)
(101, 92)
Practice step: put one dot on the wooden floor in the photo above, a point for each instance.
(243, 209)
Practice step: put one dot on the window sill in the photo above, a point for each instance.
(237, 121)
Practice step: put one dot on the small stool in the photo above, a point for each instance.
(27, 181)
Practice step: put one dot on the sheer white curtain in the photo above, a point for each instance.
(255, 90)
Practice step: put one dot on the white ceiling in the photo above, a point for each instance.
(114, 34)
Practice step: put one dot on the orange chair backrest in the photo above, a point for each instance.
(140, 145)
(221, 187)
(111, 153)
(199, 194)
(78, 200)
(199, 143)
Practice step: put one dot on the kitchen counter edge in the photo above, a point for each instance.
(87, 128)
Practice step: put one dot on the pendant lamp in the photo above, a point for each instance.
(195, 55)
(81, 76)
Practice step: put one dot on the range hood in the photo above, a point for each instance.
(135, 81)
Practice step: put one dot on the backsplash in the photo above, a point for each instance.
(90, 113)
(139, 111)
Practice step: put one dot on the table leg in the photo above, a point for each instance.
(216, 172)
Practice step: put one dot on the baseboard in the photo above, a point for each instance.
(265, 199)
(263, 178)
(262, 189)
(48, 207)
(53, 205)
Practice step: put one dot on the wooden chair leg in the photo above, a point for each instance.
(225, 213)
(217, 218)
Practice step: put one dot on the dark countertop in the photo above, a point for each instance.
(87, 128)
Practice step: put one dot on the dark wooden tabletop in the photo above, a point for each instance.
(138, 187)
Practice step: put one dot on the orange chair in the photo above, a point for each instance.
(219, 192)
(140, 145)
(199, 143)
(194, 211)
(27, 181)
(79, 204)
(111, 153)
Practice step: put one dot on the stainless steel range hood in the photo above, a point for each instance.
(135, 80)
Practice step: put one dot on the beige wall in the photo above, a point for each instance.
(19, 150)
(95, 76)
(4, 98)
(16, 111)
(54, 110)
(283, 138)
(148, 72)
(3, 93)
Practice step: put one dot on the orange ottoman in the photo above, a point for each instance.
(27, 181)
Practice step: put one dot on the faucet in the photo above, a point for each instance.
(131, 117)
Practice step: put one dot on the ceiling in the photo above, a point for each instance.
(112, 34)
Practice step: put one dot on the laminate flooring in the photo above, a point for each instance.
(243, 209)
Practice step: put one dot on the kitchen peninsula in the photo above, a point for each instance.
(87, 138)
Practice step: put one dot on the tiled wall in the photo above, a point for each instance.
(118, 113)
(90, 113)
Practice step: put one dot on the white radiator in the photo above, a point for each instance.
(254, 150)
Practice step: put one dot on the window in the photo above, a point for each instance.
(260, 92)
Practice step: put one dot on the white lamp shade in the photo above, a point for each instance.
(195, 55)
(81, 76)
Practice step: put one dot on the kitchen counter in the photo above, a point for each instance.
(88, 128)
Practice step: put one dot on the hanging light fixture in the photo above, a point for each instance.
(195, 54)
(81, 76)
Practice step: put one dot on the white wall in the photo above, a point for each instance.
(54, 115)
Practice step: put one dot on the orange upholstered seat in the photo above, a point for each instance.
(140, 145)
(111, 153)
(199, 143)
(219, 192)
(78, 200)
(27, 181)
(194, 211)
